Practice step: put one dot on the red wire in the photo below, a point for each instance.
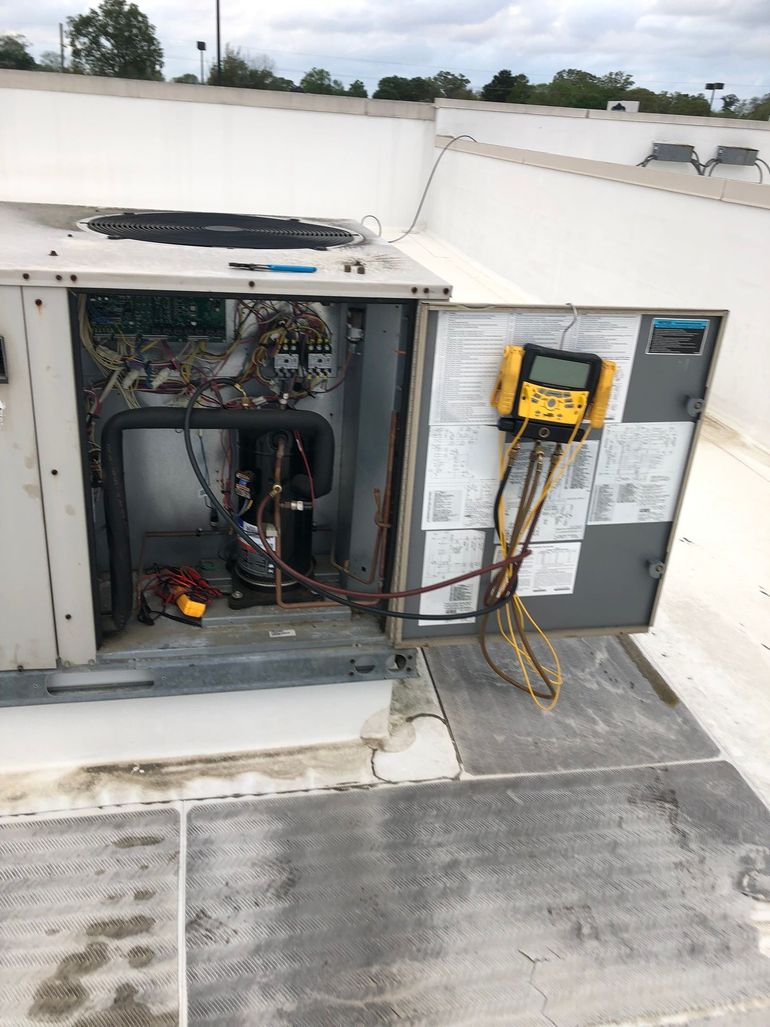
(303, 454)
(509, 561)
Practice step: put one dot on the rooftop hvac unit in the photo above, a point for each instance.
(218, 475)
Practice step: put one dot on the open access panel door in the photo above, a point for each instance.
(601, 544)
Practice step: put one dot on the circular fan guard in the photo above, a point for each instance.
(229, 231)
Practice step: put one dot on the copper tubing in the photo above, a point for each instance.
(386, 499)
(381, 508)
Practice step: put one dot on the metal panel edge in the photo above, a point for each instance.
(26, 624)
(723, 315)
(56, 414)
(395, 626)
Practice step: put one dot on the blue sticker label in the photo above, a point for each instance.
(677, 336)
(678, 322)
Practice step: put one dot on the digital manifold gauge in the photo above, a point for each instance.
(553, 391)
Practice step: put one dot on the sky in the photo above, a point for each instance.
(676, 45)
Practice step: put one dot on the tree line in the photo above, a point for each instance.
(117, 39)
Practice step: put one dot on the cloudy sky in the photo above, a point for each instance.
(664, 44)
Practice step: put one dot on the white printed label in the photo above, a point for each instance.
(282, 633)
(549, 570)
(461, 476)
(611, 337)
(640, 472)
(564, 512)
(449, 554)
(469, 347)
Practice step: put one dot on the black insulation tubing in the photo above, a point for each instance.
(188, 419)
(311, 426)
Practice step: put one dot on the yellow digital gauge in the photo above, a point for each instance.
(553, 390)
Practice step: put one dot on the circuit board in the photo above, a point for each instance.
(170, 317)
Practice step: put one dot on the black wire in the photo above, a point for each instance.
(317, 588)
(499, 495)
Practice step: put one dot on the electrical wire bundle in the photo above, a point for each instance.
(169, 583)
(134, 365)
(513, 619)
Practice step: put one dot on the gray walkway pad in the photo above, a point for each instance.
(570, 899)
(88, 920)
(609, 713)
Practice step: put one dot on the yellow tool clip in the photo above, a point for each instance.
(189, 607)
(507, 380)
(598, 410)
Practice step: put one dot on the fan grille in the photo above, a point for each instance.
(230, 231)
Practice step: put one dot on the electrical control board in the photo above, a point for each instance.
(171, 317)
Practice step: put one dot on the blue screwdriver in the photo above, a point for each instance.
(300, 268)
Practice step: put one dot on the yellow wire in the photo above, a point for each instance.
(508, 631)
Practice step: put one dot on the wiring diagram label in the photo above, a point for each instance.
(541, 329)
(460, 476)
(565, 511)
(640, 472)
(469, 345)
(612, 337)
(447, 555)
(677, 336)
(550, 569)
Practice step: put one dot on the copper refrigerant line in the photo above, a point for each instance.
(381, 507)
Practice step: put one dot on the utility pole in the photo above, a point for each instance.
(61, 45)
(219, 50)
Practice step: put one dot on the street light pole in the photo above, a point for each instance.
(219, 50)
(202, 47)
(713, 86)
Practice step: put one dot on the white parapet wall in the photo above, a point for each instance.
(622, 138)
(113, 142)
(572, 230)
(546, 216)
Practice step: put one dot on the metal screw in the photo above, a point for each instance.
(251, 285)
(25, 276)
(38, 303)
(59, 278)
(73, 278)
(236, 594)
(54, 471)
(68, 616)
